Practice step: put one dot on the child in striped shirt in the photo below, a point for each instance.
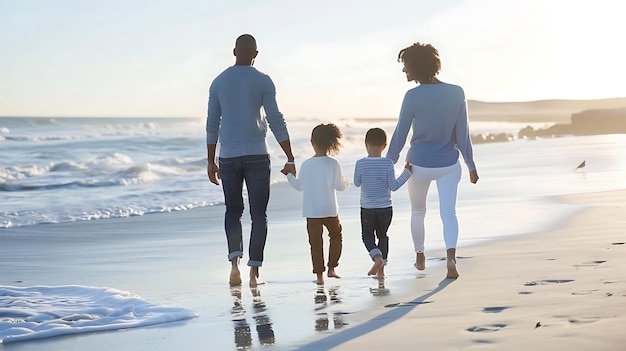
(376, 177)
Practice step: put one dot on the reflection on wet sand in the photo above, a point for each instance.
(322, 321)
(380, 290)
(262, 320)
(243, 334)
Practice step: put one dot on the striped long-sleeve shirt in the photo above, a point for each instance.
(377, 178)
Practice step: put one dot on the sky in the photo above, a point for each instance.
(327, 58)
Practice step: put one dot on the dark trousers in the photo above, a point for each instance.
(315, 228)
(374, 224)
(254, 170)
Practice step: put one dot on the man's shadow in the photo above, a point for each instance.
(243, 334)
(377, 322)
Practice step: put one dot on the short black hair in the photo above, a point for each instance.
(376, 136)
(422, 60)
(246, 42)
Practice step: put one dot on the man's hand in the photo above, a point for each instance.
(213, 172)
(473, 176)
(289, 168)
(408, 166)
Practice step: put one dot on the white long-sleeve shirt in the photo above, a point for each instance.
(318, 178)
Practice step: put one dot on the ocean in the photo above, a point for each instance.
(55, 170)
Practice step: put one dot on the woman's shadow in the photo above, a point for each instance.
(243, 334)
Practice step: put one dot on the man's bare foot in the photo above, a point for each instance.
(254, 275)
(320, 279)
(420, 261)
(452, 272)
(332, 274)
(235, 276)
(378, 262)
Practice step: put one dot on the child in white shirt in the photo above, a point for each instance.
(318, 178)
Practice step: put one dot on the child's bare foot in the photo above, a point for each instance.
(381, 272)
(452, 272)
(320, 279)
(378, 262)
(332, 273)
(420, 261)
(254, 275)
(235, 276)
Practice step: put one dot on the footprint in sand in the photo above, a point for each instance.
(483, 341)
(407, 304)
(495, 309)
(458, 258)
(579, 320)
(487, 328)
(585, 292)
(548, 281)
(590, 264)
(583, 321)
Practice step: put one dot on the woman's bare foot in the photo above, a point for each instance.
(320, 279)
(332, 273)
(451, 256)
(420, 261)
(378, 262)
(452, 272)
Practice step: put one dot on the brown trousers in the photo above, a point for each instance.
(315, 228)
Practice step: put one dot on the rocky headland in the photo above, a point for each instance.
(588, 122)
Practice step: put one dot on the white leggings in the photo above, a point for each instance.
(447, 184)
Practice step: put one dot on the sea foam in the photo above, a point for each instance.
(37, 312)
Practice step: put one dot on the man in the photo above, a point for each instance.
(234, 118)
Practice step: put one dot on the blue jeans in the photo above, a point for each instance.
(254, 170)
(374, 224)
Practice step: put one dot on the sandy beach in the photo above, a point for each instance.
(563, 289)
(559, 289)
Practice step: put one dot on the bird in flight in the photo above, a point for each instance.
(581, 165)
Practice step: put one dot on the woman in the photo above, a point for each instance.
(436, 112)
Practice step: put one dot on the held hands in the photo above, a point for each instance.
(473, 176)
(213, 172)
(408, 166)
(289, 168)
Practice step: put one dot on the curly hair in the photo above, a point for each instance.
(326, 136)
(422, 60)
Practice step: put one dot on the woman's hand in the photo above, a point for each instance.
(473, 176)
